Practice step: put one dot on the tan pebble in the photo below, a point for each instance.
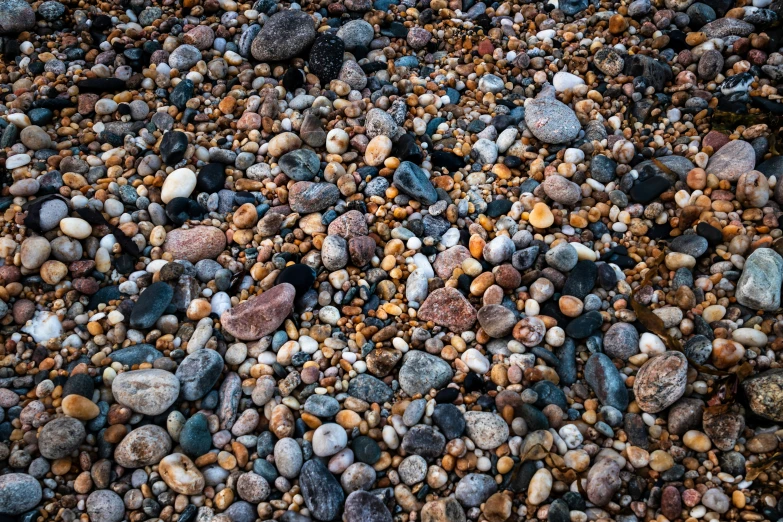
(80, 407)
(52, 272)
(697, 441)
(198, 309)
(377, 150)
(541, 216)
(661, 460)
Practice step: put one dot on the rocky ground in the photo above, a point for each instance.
(436, 260)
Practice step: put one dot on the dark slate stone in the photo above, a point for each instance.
(584, 325)
(449, 420)
(151, 305)
(322, 493)
(173, 147)
(581, 280)
(211, 178)
(101, 85)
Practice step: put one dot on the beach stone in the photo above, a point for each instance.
(420, 372)
(144, 446)
(149, 392)
(603, 481)
(550, 120)
(424, 441)
(449, 308)
(363, 506)
(151, 305)
(288, 457)
(723, 27)
(306, 197)
(285, 35)
(326, 56)
(322, 493)
(198, 373)
(412, 181)
(604, 379)
(488, 430)
(195, 439)
(621, 341)
(496, 320)
(759, 285)
(60, 437)
(356, 33)
(181, 475)
(732, 160)
(449, 420)
(369, 389)
(473, 489)
(19, 493)
(443, 510)
(765, 394)
(685, 415)
(661, 381)
(195, 244)
(15, 16)
(261, 314)
(105, 506)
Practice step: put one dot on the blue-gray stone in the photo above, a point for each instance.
(195, 438)
(605, 381)
(198, 373)
(413, 182)
(137, 354)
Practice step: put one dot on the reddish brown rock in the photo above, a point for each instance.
(249, 121)
(195, 244)
(82, 267)
(349, 225)
(715, 139)
(86, 285)
(23, 311)
(361, 250)
(261, 314)
(450, 259)
(9, 274)
(449, 308)
(86, 103)
(671, 503)
(507, 277)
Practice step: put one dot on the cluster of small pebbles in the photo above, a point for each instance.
(391, 260)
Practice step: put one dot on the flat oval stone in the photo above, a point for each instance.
(323, 495)
(261, 314)
(151, 304)
(19, 492)
(661, 381)
(137, 354)
(195, 244)
(605, 381)
(198, 373)
(60, 437)
(149, 392)
(181, 475)
(420, 372)
(144, 446)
